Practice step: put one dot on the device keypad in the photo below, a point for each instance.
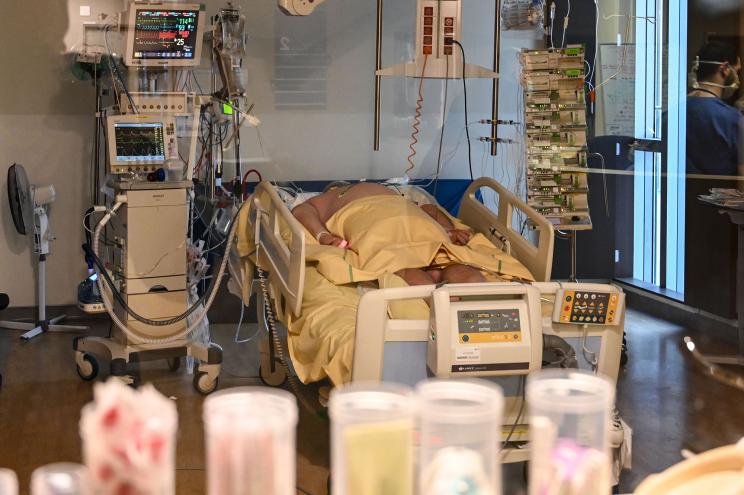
(586, 307)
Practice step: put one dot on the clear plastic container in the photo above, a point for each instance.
(250, 441)
(570, 413)
(62, 478)
(372, 439)
(8, 482)
(460, 436)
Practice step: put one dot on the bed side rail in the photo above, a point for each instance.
(285, 261)
(538, 259)
(374, 328)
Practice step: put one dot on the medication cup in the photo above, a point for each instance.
(250, 441)
(460, 436)
(372, 427)
(569, 414)
(62, 478)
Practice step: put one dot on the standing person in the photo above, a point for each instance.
(713, 126)
(714, 149)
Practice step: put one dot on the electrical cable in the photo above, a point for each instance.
(604, 181)
(237, 339)
(465, 93)
(276, 341)
(116, 70)
(565, 24)
(552, 21)
(584, 351)
(441, 134)
(518, 418)
(417, 120)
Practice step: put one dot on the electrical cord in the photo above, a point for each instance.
(116, 69)
(444, 116)
(417, 120)
(465, 93)
(565, 24)
(518, 418)
(276, 341)
(237, 338)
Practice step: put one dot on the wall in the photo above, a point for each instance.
(45, 125)
(46, 117)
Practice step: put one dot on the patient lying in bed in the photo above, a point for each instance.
(382, 232)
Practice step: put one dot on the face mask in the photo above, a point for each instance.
(732, 81)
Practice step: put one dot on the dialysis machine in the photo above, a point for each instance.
(151, 265)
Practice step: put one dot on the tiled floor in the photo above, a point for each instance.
(668, 403)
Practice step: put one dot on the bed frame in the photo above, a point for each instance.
(287, 259)
(395, 350)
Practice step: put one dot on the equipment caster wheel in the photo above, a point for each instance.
(204, 384)
(624, 352)
(276, 379)
(174, 364)
(87, 367)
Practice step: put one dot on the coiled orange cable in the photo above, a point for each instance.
(417, 119)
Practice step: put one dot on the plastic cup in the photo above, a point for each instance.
(250, 441)
(570, 413)
(372, 439)
(61, 478)
(8, 482)
(460, 435)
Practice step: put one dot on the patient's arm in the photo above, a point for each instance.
(457, 236)
(309, 216)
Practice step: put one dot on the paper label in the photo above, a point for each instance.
(468, 355)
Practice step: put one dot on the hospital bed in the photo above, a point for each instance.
(390, 348)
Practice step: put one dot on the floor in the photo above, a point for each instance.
(667, 402)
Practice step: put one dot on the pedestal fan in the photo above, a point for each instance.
(28, 206)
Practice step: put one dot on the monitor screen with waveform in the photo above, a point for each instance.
(139, 142)
(165, 34)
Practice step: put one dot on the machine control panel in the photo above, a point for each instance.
(585, 307)
(489, 326)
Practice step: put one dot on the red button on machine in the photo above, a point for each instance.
(449, 30)
(449, 21)
(428, 21)
(428, 31)
(427, 50)
(427, 40)
(428, 10)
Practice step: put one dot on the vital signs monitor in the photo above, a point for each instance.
(164, 34)
(141, 143)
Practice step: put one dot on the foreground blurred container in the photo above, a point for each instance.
(460, 425)
(569, 433)
(8, 482)
(61, 478)
(372, 439)
(250, 441)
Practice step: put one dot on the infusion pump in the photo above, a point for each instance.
(485, 330)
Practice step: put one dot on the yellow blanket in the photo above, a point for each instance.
(388, 233)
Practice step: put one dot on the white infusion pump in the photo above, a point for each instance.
(485, 330)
